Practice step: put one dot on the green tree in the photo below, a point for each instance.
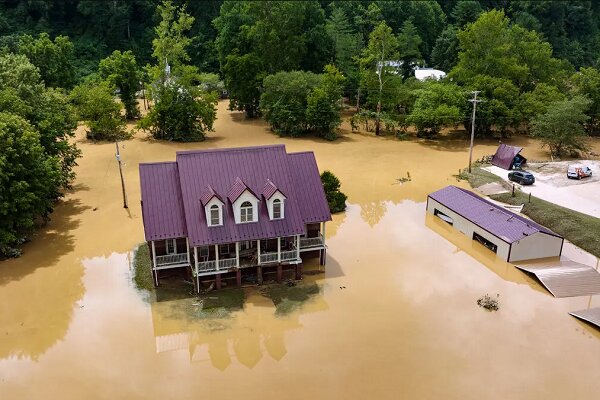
(335, 198)
(284, 100)
(29, 182)
(465, 12)
(347, 43)
(55, 59)
(379, 61)
(23, 93)
(122, 72)
(586, 83)
(258, 38)
(182, 111)
(437, 105)
(299, 102)
(561, 127)
(409, 42)
(96, 106)
(444, 55)
(182, 114)
(537, 101)
(323, 104)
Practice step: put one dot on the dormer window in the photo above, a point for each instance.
(277, 209)
(246, 212)
(215, 215)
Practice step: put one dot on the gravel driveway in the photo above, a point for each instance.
(551, 184)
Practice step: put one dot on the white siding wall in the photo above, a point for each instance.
(468, 228)
(538, 245)
(207, 207)
(276, 195)
(246, 196)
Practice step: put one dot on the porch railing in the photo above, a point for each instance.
(227, 263)
(288, 255)
(267, 258)
(171, 259)
(311, 242)
(207, 266)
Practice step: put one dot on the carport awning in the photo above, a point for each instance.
(591, 315)
(566, 278)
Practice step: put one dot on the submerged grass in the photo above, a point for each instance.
(142, 268)
(578, 228)
(289, 298)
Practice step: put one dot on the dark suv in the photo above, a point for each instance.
(522, 177)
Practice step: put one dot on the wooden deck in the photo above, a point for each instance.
(591, 315)
(565, 278)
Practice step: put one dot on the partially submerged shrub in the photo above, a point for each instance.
(335, 198)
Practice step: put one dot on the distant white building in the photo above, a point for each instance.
(429, 73)
(420, 73)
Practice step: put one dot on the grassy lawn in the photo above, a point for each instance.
(580, 229)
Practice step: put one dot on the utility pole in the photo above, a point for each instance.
(118, 155)
(474, 101)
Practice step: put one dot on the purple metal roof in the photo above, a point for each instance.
(504, 156)
(497, 220)
(161, 201)
(237, 189)
(309, 189)
(168, 199)
(207, 194)
(269, 190)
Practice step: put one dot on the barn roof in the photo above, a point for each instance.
(504, 155)
(500, 222)
(226, 173)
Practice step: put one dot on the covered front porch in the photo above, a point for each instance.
(225, 257)
(167, 254)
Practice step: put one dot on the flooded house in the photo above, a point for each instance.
(233, 213)
(509, 235)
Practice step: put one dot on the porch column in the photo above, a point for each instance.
(297, 247)
(279, 250)
(187, 246)
(323, 234)
(217, 256)
(258, 249)
(237, 254)
(196, 266)
(154, 270)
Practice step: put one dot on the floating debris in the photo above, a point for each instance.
(489, 303)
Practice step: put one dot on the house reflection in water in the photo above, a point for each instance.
(245, 335)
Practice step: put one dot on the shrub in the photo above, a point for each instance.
(335, 198)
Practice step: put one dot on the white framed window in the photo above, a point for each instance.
(246, 212)
(171, 246)
(215, 217)
(203, 253)
(277, 205)
(224, 248)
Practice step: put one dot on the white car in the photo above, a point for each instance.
(578, 171)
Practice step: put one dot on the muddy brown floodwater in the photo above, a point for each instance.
(406, 325)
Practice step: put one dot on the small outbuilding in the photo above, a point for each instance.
(508, 157)
(509, 235)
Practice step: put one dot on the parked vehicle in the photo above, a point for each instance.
(522, 177)
(578, 171)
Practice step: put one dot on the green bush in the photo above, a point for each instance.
(335, 198)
